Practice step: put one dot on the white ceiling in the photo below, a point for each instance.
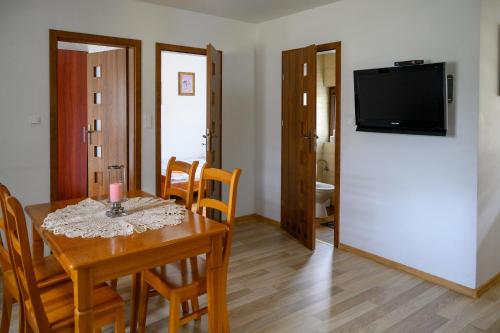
(253, 11)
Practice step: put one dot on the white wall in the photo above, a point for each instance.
(183, 118)
(411, 199)
(24, 81)
(488, 234)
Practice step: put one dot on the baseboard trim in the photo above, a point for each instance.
(256, 217)
(488, 285)
(413, 271)
(268, 220)
(245, 218)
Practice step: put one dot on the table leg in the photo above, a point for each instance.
(216, 289)
(134, 309)
(83, 294)
(37, 244)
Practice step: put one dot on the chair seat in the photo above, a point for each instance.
(58, 303)
(48, 271)
(175, 279)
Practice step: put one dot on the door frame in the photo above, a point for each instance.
(134, 82)
(337, 47)
(160, 47)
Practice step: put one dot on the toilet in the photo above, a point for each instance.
(324, 193)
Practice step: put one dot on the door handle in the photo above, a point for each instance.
(208, 140)
(312, 144)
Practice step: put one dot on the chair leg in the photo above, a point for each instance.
(185, 304)
(22, 318)
(143, 304)
(6, 311)
(195, 305)
(174, 320)
(27, 326)
(194, 269)
(120, 321)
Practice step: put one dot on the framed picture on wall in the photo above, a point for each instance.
(186, 84)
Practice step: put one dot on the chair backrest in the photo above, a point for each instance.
(225, 177)
(187, 168)
(22, 263)
(4, 250)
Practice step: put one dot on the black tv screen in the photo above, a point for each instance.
(409, 99)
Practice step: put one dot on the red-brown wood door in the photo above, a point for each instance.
(298, 171)
(107, 116)
(214, 118)
(71, 124)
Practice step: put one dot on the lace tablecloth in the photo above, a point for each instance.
(88, 219)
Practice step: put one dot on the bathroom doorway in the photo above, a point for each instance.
(326, 121)
(310, 177)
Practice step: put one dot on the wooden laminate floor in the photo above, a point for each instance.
(276, 285)
(324, 234)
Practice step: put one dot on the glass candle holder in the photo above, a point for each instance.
(117, 190)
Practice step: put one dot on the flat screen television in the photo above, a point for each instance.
(409, 99)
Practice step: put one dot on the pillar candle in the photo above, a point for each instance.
(115, 192)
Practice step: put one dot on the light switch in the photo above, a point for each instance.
(35, 119)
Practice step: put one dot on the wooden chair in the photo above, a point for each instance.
(181, 284)
(48, 272)
(186, 195)
(52, 309)
(190, 170)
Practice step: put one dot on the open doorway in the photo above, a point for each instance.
(95, 113)
(183, 112)
(188, 110)
(326, 116)
(310, 167)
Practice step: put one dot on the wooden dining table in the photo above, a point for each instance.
(89, 261)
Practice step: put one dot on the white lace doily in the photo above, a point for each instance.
(88, 219)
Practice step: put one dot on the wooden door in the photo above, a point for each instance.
(107, 116)
(214, 118)
(298, 171)
(71, 124)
